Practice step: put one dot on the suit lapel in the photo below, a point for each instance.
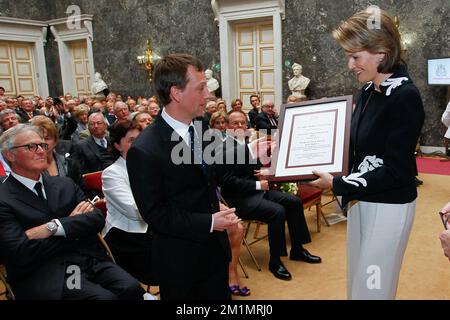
(26, 196)
(93, 146)
(51, 191)
(166, 133)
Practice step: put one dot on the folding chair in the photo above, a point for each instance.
(7, 292)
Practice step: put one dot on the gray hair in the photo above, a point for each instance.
(5, 112)
(8, 138)
(99, 113)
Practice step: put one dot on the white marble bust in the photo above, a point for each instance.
(212, 83)
(98, 85)
(299, 82)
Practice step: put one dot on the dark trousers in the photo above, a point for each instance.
(212, 287)
(132, 251)
(100, 280)
(274, 209)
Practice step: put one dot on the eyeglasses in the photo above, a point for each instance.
(444, 219)
(33, 146)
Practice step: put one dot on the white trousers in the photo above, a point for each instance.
(377, 235)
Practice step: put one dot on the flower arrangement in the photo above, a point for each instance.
(289, 187)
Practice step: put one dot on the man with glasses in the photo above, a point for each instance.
(268, 118)
(48, 231)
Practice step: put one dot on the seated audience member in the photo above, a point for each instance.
(93, 153)
(256, 108)
(126, 233)
(48, 231)
(110, 116)
(81, 117)
(121, 111)
(268, 118)
(236, 105)
(222, 106)
(219, 122)
(142, 120)
(245, 187)
(3, 105)
(26, 111)
(211, 107)
(154, 110)
(57, 163)
(8, 119)
(445, 235)
(235, 236)
(131, 104)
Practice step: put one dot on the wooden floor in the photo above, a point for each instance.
(425, 272)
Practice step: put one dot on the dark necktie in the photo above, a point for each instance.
(196, 148)
(272, 121)
(38, 188)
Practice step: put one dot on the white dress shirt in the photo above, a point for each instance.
(123, 213)
(182, 129)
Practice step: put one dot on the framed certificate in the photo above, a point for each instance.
(312, 135)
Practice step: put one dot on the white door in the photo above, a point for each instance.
(17, 74)
(255, 61)
(80, 67)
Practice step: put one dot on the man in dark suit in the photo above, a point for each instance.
(93, 153)
(26, 111)
(245, 187)
(48, 231)
(176, 198)
(268, 118)
(256, 109)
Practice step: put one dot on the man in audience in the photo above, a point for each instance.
(154, 110)
(27, 111)
(179, 202)
(121, 111)
(211, 107)
(252, 114)
(268, 118)
(48, 231)
(93, 153)
(8, 119)
(246, 188)
(3, 105)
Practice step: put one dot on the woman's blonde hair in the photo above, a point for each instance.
(217, 115)
(358, 33)
(45, 123)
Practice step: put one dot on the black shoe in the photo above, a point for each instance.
(418, 182)
(304, 255)
(280, 271)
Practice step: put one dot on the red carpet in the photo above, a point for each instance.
(434, 166)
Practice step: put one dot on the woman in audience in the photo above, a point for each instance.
(219, 122)
(81, 117)
(125, 231)
(385, 127)
(57, 163)
(236, 105)
(221, 106)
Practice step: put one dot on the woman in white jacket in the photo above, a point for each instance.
(125, 231)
